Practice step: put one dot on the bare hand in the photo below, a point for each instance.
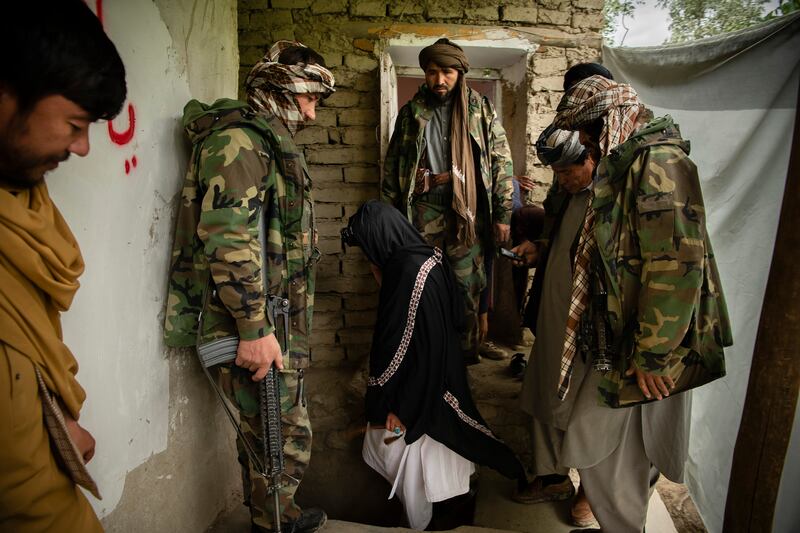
(529, 252)
(652, 385)
(82, 439)
(502, 232)
(393, 423)
(525, 182)
(258, 355)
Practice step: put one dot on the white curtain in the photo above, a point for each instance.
(734, 98)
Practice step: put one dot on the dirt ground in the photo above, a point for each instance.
(680, 506)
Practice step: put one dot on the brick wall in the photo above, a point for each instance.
(343, 155)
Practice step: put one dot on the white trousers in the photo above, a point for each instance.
(422, 473)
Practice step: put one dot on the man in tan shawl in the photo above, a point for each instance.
(448, 169)
(65, 75)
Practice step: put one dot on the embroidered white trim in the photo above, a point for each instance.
(405, 340)
(453, 401)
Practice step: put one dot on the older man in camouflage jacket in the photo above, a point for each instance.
(449, 169)
(641, 315)
(245, 232)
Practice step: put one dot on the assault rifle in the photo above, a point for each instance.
(270, 465)
(271, 432)
(594, 335)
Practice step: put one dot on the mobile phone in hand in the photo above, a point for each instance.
(504, 252)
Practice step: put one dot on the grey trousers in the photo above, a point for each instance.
(618, 487)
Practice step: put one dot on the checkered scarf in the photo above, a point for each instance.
(578, 299)
(271, 86)
(597, 97)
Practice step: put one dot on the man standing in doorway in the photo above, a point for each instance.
(449, 170)
(61, 73)
(245, 234)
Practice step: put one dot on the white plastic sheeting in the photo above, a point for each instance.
(734, 97)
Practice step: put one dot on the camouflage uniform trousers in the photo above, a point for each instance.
(435, 219)
(243, 392)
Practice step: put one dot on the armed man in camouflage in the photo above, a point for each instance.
(631, 312)
(245, 232)
(448, 169)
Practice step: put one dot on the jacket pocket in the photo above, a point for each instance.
(656, 222)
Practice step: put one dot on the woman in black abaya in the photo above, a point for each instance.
(417, 387)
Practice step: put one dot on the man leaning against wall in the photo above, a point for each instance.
(448, 169)
(245, 236)
(61, 74)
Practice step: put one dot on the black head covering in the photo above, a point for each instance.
(415, 347)
(380, 230)
(581, 71)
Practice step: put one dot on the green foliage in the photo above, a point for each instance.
(695, 19)
(617, 8)
(785, 7)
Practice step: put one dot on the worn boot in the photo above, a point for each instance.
(490, 350)
(538, 491)
(311, 520)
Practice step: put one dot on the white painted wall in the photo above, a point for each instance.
(173, 51)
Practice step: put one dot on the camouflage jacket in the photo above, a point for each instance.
(488, 139)
(245, 174)
(665, 302)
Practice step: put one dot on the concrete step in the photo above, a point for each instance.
(337, 526)
(495, 512)
(238, 521)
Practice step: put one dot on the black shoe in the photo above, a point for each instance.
(517, 365)
(310, 520)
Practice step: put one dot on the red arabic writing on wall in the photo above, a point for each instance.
(124, 136)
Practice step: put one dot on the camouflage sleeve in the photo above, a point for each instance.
(232, 174)
(502, 168)
(671, 232)
(390, 184)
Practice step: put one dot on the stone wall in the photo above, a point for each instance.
(344, 156)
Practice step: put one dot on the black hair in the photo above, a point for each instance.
(581, 158)
(301, 54)
(581, 71)
(58, 47)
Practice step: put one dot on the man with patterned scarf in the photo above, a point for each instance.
(245, 233)
(448, 169)
(643, 316)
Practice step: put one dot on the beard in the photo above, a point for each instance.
(19, 167)
(440, 99)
